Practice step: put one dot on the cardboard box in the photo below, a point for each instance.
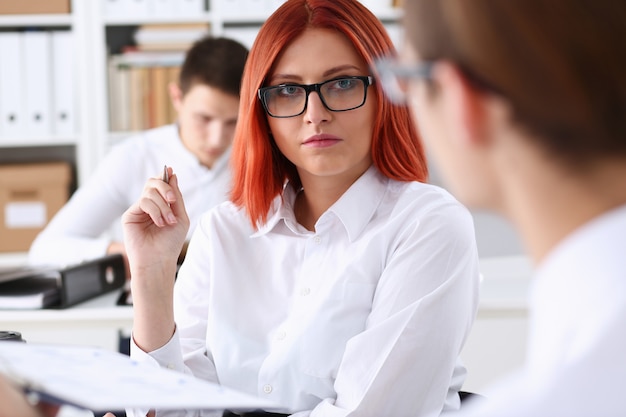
(30, 194)
(34, 6)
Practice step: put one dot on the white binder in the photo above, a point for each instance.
(272, 5)
(11, 94)
(189, 7)
(112, 8)
(37, 84)
(162, 8)
(63, 92)
(126, 8)
(231, 8)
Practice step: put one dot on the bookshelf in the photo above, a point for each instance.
(96, 32)
(74, 145)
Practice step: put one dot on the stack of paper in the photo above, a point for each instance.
(29, 287)
(101, 380)
(30, 293)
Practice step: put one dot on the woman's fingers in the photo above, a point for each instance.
(161, 201)
(157, 208)
(176, 202)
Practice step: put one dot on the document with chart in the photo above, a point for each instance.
(102, 380)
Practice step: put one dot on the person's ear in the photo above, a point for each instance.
(464, 106)
(176, 95)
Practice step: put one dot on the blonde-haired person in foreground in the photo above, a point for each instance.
(523, 104)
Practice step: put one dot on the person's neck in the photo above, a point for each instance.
(317, 195)
(547, 203)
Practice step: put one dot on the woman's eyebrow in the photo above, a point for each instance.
(340, 68)
(284, 77)
(327, 73)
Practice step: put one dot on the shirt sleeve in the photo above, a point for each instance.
(167, 356)
(185, 351)
(77, 232)
(422, 312)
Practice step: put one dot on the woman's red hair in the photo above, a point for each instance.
(259, 169)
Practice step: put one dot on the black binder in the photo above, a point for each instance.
(31, 287)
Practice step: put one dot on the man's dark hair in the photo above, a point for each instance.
(215, 62)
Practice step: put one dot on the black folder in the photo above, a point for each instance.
(33, 287)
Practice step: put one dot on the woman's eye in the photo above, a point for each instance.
(288, 90)
(343, 84)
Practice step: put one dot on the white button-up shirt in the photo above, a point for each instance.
(576, 363)
(365, 316)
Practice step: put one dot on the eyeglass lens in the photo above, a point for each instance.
(337, 95)
(395, 77)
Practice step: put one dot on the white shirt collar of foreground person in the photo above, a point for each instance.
(576, 363)
(348, 319)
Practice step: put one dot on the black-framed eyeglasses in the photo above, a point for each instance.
(394, 76)
(338, 94)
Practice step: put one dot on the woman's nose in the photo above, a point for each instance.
(316, 111)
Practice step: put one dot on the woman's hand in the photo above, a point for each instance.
(155, 228)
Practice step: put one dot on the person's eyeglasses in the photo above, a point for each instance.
(338, 94)
(395, 76)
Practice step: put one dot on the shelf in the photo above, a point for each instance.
(388, 14)
(13, 259)
(135, 21)
(385, 14)
(246, 19)
(9, 20)
(38, 141)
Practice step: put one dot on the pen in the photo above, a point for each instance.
(166, 175)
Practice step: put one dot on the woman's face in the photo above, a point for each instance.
(320, 142)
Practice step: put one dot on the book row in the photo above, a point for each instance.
(138, 90)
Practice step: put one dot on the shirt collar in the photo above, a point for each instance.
(281, 209)
(358, 204)
(354, 209)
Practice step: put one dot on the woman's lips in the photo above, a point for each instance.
(321, 141)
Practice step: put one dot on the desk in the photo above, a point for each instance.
(496, 345)
(95, 322)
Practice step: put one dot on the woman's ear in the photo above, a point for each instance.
(464, 106)
(176, 95)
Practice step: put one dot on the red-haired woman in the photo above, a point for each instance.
(336, 282)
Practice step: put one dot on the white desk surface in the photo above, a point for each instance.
(102, 308)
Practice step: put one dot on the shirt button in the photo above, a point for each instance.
(281, 335)
(317, 240)
(170, 366)
(267, 388)
(305, 291)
